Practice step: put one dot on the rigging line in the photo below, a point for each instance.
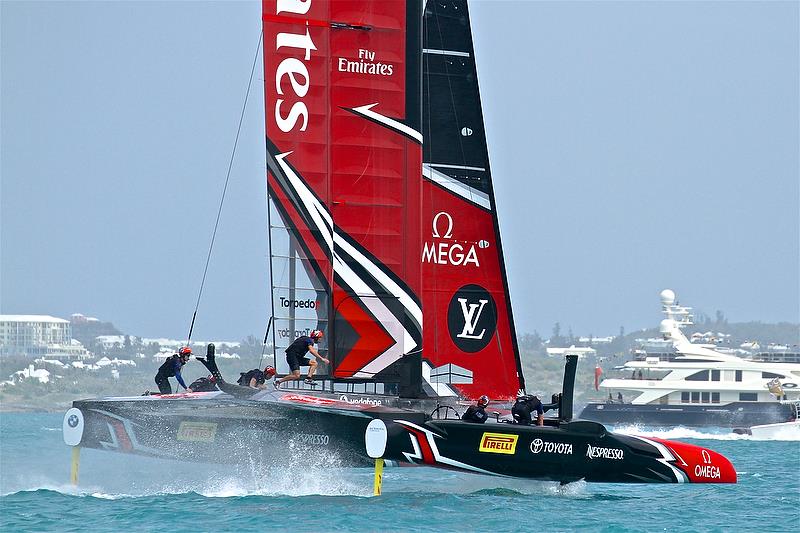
(225, 188)
(264, 344)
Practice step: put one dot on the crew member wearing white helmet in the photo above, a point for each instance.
(524, 407)
(296, 357)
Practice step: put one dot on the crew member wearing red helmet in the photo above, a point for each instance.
(477, 413)
(204, 384)
(296, 357)
(256, 378)
(172, 368)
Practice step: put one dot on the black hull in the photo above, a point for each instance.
(737, 414)
(565, 452)
(227, 430)
(277, 427)
(274, 431)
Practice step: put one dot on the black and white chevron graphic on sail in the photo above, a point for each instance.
(344, 253)
(388, 122)
(471, 194)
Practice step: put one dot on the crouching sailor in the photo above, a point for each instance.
(296, 357)
(524, 407)
(206, 384)
(172, 368)
(477, 413)
(256, 378)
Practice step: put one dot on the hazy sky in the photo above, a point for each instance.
(635, 146)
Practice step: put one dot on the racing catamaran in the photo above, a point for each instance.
(384, 235)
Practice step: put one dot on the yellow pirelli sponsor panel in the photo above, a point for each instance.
(498, 443)
(197, 432)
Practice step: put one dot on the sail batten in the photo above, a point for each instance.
(446, 52)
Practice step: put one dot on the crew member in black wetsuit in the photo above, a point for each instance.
(256, 378)
(204, 384)
(524, 406)
(172, 368)
(477, 413)
(296, 357)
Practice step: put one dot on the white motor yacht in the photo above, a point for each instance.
(697, 385)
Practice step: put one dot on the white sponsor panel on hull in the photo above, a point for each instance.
(375, 438)
(72, 427)
(197, 431)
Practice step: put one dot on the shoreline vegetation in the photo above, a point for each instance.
(543, 374)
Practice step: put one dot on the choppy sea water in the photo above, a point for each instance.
(127, 493)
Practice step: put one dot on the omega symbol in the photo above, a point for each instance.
(447, 234)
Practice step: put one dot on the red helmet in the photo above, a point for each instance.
(483, 401)
(269, 371)
(185, 351)
(315, 334)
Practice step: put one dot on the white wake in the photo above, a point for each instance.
(680, 432)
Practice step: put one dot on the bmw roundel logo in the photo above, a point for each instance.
(72, 427)
(471, 318)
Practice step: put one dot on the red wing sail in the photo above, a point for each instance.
(342, 93)
(470, 345)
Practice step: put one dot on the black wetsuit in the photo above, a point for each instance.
(245, 377)
(476, 414)
(171, 368)
(523, 408)
(296, 353)
(203, 385)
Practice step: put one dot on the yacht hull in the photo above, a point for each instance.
(737, 414)
(280, 428)
(564, 452)
(272, 427)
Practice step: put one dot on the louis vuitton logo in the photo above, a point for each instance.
(472, 313)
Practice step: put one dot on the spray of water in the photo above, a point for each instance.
(680, 432)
